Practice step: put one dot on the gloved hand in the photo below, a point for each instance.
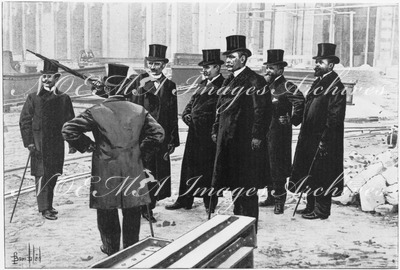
(323, 149)
(284, 120)
(72, 150)
(90, 148)
(187, 119)
(31, 148)
(214, 138)
(255, 144)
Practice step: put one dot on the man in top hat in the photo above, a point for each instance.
(157, 95)
(320, 146)
(287, 110)
(124, 133)
(242, 119)
(199, 115)
(41, 120)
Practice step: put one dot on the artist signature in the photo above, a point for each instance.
(34, 254)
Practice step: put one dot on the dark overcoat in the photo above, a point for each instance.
(199, 155)
(124, 132)
(243, 113)
(41, 121)
(323, 121)
(162, 104)
(286, 100)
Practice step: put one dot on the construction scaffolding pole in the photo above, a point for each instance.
(367, 38)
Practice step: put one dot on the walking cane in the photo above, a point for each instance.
(151, 224)
(308, 175)
(20, 186)
(209, 207)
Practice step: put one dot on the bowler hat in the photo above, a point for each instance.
(275, 57)
(211, 57)
(236, 43)
(116, 74)
(157, 53)
(49, 67)
(327, 51)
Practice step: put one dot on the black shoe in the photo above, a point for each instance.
(178, 205)
(47, 214)
(312, 216)
(53, 211)
(151, 218)
(105, 251)
(305, 211)
(270, 201)
(279, 208)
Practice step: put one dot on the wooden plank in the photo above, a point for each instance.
(237, 257)
(130, 256)
(181, 242)
(224, 254)
(214, 244)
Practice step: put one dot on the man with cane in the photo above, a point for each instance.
(319, 151)
(41, 120)
(125, 136)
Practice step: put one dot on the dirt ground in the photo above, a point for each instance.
(350, 238)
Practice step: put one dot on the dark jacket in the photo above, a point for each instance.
(323, 120)
(199, 155)
(239, 119)
(286, 100)
(123, 133)
(162, 104)
(41, 120)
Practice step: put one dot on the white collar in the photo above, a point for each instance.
(237, 72)
(277, 78)
(213, 79)
(326, 74)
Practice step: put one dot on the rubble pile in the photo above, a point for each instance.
(372, 181)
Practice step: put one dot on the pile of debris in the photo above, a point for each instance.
(372, 182)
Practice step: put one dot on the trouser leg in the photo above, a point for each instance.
(130, 226)
(44, 191)
(279, 189)
(323, 205)
(214, 201)
(246, 205)
(153, 187)
(109, 227)
(310, 201)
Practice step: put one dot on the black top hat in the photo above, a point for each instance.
(327, 51)
(157, 53)
(211, 57)
(49, 67)
(116, 74)
(236, 43)
(275, 57)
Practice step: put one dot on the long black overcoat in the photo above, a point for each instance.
(239, 119)
(162, 104)
(286, 100)
(199, 155)
(323, 120)
(41, 121)
(124, 133)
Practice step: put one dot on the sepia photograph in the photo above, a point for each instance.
(200, 134)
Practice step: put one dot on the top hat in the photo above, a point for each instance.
(211, 57)
(49, 67)
(275, 57)
(236, 43)
(116, 74)
(157, 53)
(327, 51)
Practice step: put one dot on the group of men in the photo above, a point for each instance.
(239, 138)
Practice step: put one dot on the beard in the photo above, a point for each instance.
(270, 77)
(318, 72)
